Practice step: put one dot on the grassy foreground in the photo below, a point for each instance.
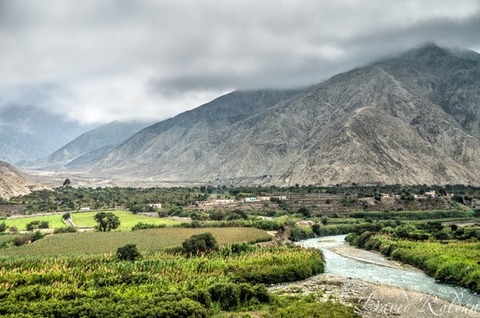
(146, 240)
(161, 285)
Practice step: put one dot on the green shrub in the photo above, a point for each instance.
(143, 226)
(231, 296)
(200, 244)
(68, 229)
(128, 252)
(299, 232)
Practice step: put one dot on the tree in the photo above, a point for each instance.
(3, 227)
(106, 221)
(66, 183)
(304, 211)
(128, 252)
(200, 243)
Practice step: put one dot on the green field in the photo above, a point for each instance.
(146, 240)
(127, 219)
(54, 221)
(85, 219)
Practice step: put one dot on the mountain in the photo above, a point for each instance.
(13, 182)
(91, 145)
(28, 133)
(190, 134)
(411, 119)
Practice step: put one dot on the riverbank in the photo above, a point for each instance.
(369, 257)
(376, 300)
(379, 287)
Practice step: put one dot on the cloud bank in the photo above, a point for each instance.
(99, 60)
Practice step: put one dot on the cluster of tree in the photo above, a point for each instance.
(68, 198)
(36, 225)
(27, 238)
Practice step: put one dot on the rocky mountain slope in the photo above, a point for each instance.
(410, 119)
(13, 182)
(90, 146)
(28, 133)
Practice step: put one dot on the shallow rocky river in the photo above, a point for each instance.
(378, 287)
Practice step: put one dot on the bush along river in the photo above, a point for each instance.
(378, 287)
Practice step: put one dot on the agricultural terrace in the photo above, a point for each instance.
(146, 240)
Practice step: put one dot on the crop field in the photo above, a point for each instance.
(127, 219)
(162, 285)
(54, 221)
(146, 240)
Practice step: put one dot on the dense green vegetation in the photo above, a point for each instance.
(137, 199)
(451, 254)
(160, 285)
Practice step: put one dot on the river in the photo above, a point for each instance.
(405, 278)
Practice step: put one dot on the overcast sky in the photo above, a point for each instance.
(100, 60)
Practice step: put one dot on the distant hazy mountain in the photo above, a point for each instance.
(28, 133)
(91, 145)
(13, 182)
(410, 119)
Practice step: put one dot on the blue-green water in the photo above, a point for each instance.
(408, 279)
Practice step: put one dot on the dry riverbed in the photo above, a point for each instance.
(376, 300)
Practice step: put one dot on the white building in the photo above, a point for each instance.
(155, 205)
(85, 209)
(250, 199)
(430, 193)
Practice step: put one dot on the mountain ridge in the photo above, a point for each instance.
(90, 145)
(409, 119)
(14, 183)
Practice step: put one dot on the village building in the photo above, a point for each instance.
(430, 193)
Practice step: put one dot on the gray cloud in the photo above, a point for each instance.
(98, 60)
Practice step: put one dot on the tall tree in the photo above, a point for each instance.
(106, 221)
